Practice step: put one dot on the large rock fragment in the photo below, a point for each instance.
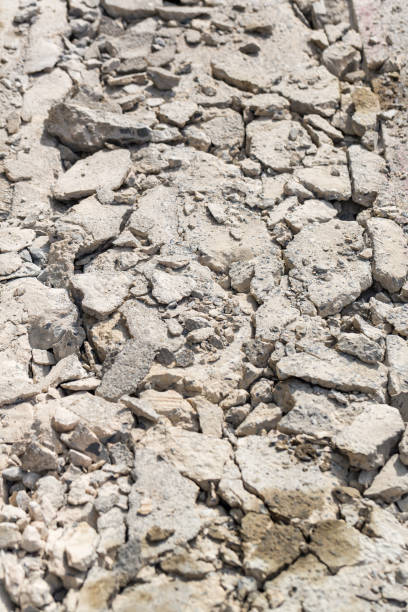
(86, 129)
(273, 316)
(369, 439)
(268, 546)
(171, 288)
(131, 9)
(367, 172)
(101, 294)
(127, 370)
(327, 183)
(340, 58)
(397, 361)
(279, 145)
(326, 258)
(104, 419)
(170, 496)
(106, 169)
(197, 456)
(172, 595)
(336, 544)
(329, 369)
(286, 488)
(390, 252)
(156, 216)
(91, 224)
(239, 71)
(391, 483)
(311, 410)
(320, 96)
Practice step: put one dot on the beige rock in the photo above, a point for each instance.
(238, 71)
(370, 438)
(263, 417)
(403, 448)
(101, 294)
(210, 416)
(105, 168)
(367, 171)
(177, 113)
(336, 544)
(171, 405)
(274, 316)
(327, 183)
(268, 546)
(390, 265)
(391, 483)
(10, 536)
(197, 456)
(80, 546)
(311, 211)
(131, 9)
(279, 145)
(329, 369)
(283, 484)
(325, 258)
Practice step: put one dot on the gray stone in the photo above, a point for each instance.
(101, 294)
(88, 129)
(271, 142)
(391, 483)
(360, 346)
(131, 9)
(327, 183)
(163, 79)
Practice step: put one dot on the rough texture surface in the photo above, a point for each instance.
(203, 305)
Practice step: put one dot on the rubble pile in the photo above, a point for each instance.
(203, 305)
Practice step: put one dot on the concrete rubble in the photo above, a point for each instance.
(203, 305)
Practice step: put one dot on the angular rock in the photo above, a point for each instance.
(108, 169)
(263, 417)
(311, 211)
(197, 456)
(279, 145)
(273, 316)
(367, 171)
(168, 288)
(177, 113)
(321, 96)
(131, 9)
(390, 265)
(370, 438)
(268, 546)
(391, 483)
(81, 546)
(210, 416)
(163, 79)
(403, 448)
(170, 496)
(329, 369)
(13, 239)
(397, 361)
(325, 258)
(340, 58)
(336, 544)
(171, 405)
(101, 294)
(238, 71)
(283, 484)
(127, 370)
(327, 183)
(88, 129)
(360, 346)
(41, 55)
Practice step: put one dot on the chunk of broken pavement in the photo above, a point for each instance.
(268, 546)
(397, 361)
(370, 438)
(195, 455)
(336, 544)
(273, 316)
(171, 405)
(127, 370)
(325, 257)
(330, 369)
(86, 129)
(170, 495)
(239, 71)
(283, 484)
(131, 9)
(390, 262)
(360, 346)
(105, 168)
(391, 483)
(279, 145)
(38, 458)
(80, 546)
(263, 417)
(168, 288)
(163, 79)
(367, 171)
(101, 293)
(327, 183)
